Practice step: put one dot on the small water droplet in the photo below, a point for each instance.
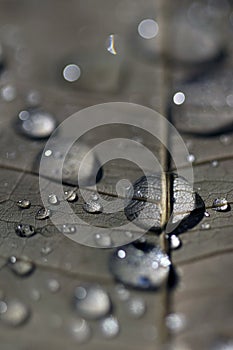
(207, 214)
(8, 93)
(48, 153)
(24, 203)
(67, 228)
(121, 253)
(205, 226)
(43, 213)
(71, 72)
(110, 327)
(103, 240)
(53, 285)
(70, 196)
(214, 163)
(91, 301)
(136, 307)
(148, 28)
(80, 330)
(179, 98)
(145, 266)
(175, 242)
(175, 322)
(25, 230)
(21, 266)
(36, 123)
(93, 205)
(191, 158)
(220, 204)
(52, 199)
(15, 313)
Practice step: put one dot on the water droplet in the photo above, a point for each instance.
(91, 301)
(148, 28)
(8, 93)
(36, 123)
(24, 230)
(121, 254)
(93, 205)
(136, 307)
(214, 163)
(48, 153)
(122, 293)
(53, 285)
(15, 313)
(67, 228)
(175, 322)
(206, 214)
(191, 158)
(179, 98)
(24, 203)
(80, 330)
(52, 199)
(220, 204)
(43, 214)
(205, 226)
(110, 327)
(21, 266)
(145, 266)
(71, 72)
(103, 240)
(175, 242)
(70, 195)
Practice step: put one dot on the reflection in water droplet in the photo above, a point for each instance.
(80, 330)
(175, 242)
(36, 123)
(103, 240)
(21, 266)
(8, 93)
(24, 203)
(91, 301)
(71, 72)
(110, 327)
(111, 44)
(206, 214)
(220, 204)
(148, 28)
(175, 322)
(24, 230)
(43, 213)
(179, 98)
(136, 307)
(15, 313)
(145, 266)
(52, 199)
(70, 195)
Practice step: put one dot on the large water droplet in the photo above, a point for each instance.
(220, 204)
(36, 123)
(92, 301)
(25, 230)
(21, 266)
(110, 327)
(24, 203)
(144, 266)
(15, 313)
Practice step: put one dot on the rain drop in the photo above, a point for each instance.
(145, 266)
(52, 199)
(175, 242)
(36, 123)
(15, 313)
(43, 214)
(214, 163)
(71, 72)
(191, 158)
(24, 230)
(110, 327)
(70, 196)
(91, 301)
(21, 266)
(24, 203)
(93, 205)
(220, 204)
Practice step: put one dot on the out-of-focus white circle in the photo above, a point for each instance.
(179, 98)
(71, 72)
(148, 28)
